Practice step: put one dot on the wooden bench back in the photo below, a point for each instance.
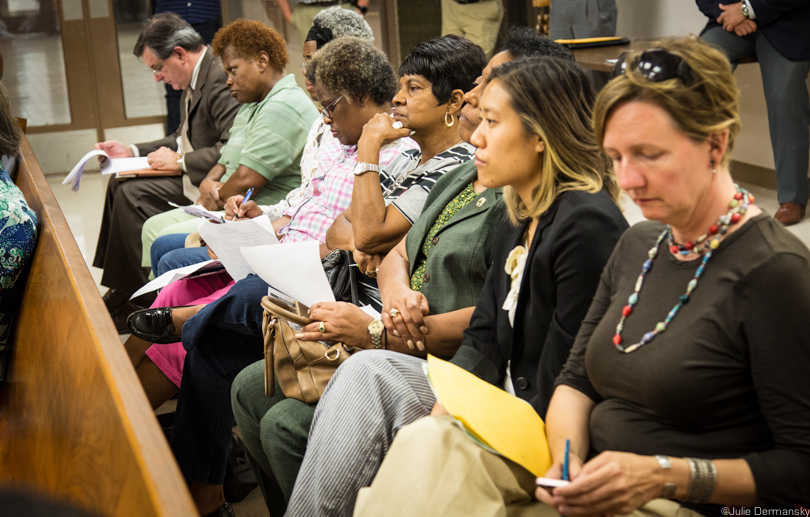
(74, 421)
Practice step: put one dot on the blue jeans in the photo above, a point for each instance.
(168, 252)
(221, 340)
(785, 88)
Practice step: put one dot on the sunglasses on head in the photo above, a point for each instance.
(655, 65)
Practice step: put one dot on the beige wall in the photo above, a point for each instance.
(652, 18)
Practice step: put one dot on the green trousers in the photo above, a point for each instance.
(275, 431)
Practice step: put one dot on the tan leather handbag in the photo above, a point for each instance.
(303, 368)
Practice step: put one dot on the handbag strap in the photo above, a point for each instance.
(268, 332)
(272, 305)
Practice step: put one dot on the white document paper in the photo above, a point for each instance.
(371, 311)
(226, 240)
(293, 268)
(201, 212)
(109, 166)
(170, 276)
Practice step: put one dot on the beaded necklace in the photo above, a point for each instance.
(737, 208)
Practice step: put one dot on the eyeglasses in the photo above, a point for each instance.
(656, 65)
(158, 69)
(328, 111)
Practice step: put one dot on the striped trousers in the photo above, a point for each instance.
(370, 397)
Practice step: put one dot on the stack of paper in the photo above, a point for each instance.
(498, 421)
(108, 166)
(227, 241)
(293, 268)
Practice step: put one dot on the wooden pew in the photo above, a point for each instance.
(74, 421)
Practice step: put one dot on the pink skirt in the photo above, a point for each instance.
(193, 291)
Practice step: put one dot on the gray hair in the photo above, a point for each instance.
(163, 32)
(343, 22)
(10, 134)
(354, 68)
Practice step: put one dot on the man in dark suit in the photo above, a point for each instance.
(778, 34)
(175, 54)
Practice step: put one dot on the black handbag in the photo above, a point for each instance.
(342, 274)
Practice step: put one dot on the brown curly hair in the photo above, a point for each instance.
(246, 38)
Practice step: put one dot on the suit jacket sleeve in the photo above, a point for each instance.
(217, 109)
(766, 10)
(222, 109)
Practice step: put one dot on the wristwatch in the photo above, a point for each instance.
(745, 10)
(669, 489)
(376, 328)
(363, 167)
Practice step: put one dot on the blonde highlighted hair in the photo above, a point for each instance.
(554, 99)
(705, 103)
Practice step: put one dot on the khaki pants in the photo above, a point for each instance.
(479, 22)
(434, 468)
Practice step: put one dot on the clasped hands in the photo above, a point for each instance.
(612, 483)
(403, 315)
(733, 20)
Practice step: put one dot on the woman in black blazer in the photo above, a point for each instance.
(535, 138)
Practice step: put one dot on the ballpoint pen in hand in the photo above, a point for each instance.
(565, 474)
(245, 200)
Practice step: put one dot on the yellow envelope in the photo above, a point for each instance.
(503, 422)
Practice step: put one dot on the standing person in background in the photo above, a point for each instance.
(582, 19)
(778, 34)
(575, 19)
(205, 17)
(176, 55)
(302, 13)
(477, 20)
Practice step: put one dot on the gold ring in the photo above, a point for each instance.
(394, 313)
(371, 273)
(322, 328)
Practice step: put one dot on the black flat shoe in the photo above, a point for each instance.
(154, 325)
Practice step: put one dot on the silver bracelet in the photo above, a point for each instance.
(703, 479)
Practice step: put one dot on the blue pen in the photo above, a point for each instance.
(246, 199)
(565, 461)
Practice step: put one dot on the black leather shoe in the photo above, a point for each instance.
(114, 299)
(120, 315)
(153, 325)
(225, 510)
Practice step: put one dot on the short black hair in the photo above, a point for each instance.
(164, 31)
(449, 63)
(527, 42)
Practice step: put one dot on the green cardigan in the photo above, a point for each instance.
(462, 251)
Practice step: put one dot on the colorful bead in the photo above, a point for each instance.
(739, 206)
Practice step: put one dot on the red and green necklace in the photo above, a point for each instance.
(705, 244)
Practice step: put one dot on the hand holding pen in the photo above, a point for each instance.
(238, 207)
